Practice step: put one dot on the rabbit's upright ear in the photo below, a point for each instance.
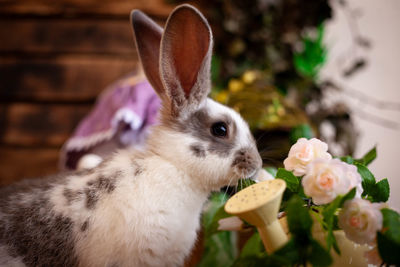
(186, 48)
(148, 38)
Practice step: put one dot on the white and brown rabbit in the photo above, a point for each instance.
(139, 208)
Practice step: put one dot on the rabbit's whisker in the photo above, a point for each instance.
(226, 190)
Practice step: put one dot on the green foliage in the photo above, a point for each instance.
(262, 260)
(347, 159)
(309, 61)
(298, 218)
(212, 228)
(372, 190)
(380, 192)
(243, 183)
(389, 238)
(299, 250)
(391, 224)
(364, 160)
(272, 170)
(368, 179)
(253, 246)
(219, 250)
(318, 255)
(330, 218)
(292, 182)
(302, 247)
(302, 130)
(219, 247)
(368, 157)
(217, 200)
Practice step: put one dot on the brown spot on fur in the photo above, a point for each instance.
(85, 226)
(150, 252)
(91, 198)
(198, 150)
(99, 185)
(138, 169)
(106, 184)
(33, 231)
(71, 195)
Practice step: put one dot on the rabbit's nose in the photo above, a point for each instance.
(247, 161)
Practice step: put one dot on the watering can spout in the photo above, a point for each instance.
(259, 205)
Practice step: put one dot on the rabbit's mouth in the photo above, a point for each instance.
(247, 162)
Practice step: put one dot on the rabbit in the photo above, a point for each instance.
(139, 207)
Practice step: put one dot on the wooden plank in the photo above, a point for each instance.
(66, 36)
(158, 8)
(19, 163)
(63, 78)
(40, 125)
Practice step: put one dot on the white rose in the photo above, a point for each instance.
(303, 152)
(360, 220)
(326, 179)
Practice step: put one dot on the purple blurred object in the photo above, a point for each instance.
(121, 118)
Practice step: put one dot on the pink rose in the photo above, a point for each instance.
(325, 179)
(360, 220)
(303, 152)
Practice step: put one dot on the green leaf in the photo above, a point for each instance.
(219, 250)
(253, 246)
(251, 261)
(292, 182)
(216, 201)
(271, 170)
(298, 218)
(329, 214)
(347, 159)
(302, 130)
(219, 247)
(391, 224)
(318, 255)
(368, 157)
(368, 179)
(289, 252)
(388, 249)
(301, 191)
(380, 192)
(264, 260)
(311, 59)
(365, 160)
(338, 202)
(213, 227)
(389, 238)
(243, 183)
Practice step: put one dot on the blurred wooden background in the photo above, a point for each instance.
(55, 58)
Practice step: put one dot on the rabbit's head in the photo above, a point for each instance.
(206, 140)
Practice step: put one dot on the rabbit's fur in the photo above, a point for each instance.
(138, 208)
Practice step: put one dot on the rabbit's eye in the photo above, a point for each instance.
(219, 129)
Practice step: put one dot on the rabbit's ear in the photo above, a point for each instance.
(186, 48)
(148, 38)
